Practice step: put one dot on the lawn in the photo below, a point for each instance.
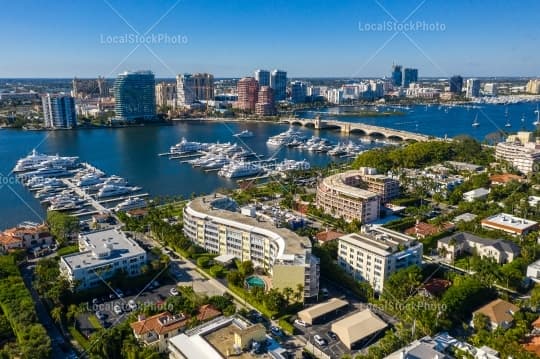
(68, 250)
(94, 321)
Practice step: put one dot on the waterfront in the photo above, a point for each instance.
(133, 152)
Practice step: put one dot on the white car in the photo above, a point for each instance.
(300, 322)
(132, 305)
(174, 291)
(117, 309)
(320, 340)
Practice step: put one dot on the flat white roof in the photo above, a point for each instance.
(337, 182)
(509, 221)
(102, 247)
(478, 192)
(194, 347)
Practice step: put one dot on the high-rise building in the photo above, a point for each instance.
(490, 89)
(397, 78)
(409, 76)
(59, 111)
(262, 77)
(135, 96)
(166, 94)
(278, 82)
(472, 88)
(456, 84)
(265, 102)
(298, 92)
(248, 89)
(193, 88)
(533, 86)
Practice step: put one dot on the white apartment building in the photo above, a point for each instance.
(340, 195)
(215, 223)
(376, 252)
(100, 255)
(523, 156)
(510, 224)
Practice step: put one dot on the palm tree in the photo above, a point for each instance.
(288, 292)
(299, 294)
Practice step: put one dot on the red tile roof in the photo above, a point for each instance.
(504, 178)
(326, 236)
(159, 324)
(426, 229)
(436, 286)
(207, 312)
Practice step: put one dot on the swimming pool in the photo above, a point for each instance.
(255, 281)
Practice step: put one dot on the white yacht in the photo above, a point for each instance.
(111, 190)
(34, 160)
(537, 112)
(244, 134)
(64, 205)
(89, 180)
(47, 182)
(49, 172)
(475, 122)
(218, 162)
(185, 146)
(129, 204)
(240, 169)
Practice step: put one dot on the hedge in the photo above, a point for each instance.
(18, 307)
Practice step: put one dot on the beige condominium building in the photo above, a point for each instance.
(521, 151)
(376, 252)
(356, 194)
(215, 223)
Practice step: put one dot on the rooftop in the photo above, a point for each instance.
(358, 326)
(504, 178)
(160, 323)
(291, 242)
(498, 311)
(102, 247)
(507, 220)
(381, 240)
(338, 182)
(465, 217)
(328, 235)
(318, 310)
(500, 244)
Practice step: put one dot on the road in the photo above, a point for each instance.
(57, 339)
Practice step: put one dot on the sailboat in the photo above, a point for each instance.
(537, 122)
(508, 124)
(475, 122)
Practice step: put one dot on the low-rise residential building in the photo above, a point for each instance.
(435, 287)
(101, 255)
(464, 166)
(376, 252)
(359, 327)
(476, 194)
(157, 329)
(423, 229)
(533, 271)
(509, 224)
(215, 223)
(220, 338)
(504, 178)
(500, 250)
(499, 312)
(25, 236)
(340, 196)
(327, 236)
(465, 217)
(423, 348)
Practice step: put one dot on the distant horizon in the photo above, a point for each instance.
(308, 39)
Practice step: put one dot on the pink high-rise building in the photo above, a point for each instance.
(247, 89)
(265, 103)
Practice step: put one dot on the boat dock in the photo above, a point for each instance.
(118, 199)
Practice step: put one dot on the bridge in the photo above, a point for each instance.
(361, 129)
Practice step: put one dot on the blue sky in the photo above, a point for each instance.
(66, 38)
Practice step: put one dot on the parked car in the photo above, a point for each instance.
(320, 340)
(332, 335)
(276, 331)
(324, 292)
(300, 322)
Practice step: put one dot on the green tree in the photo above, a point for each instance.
(62, 225)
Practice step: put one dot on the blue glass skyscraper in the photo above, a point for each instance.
(278, 82)
(59, 111)
(135, 96)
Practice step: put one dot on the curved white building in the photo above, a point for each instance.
(214, 223)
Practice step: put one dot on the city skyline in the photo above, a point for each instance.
(354, 40)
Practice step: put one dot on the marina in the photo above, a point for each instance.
(82, 190)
